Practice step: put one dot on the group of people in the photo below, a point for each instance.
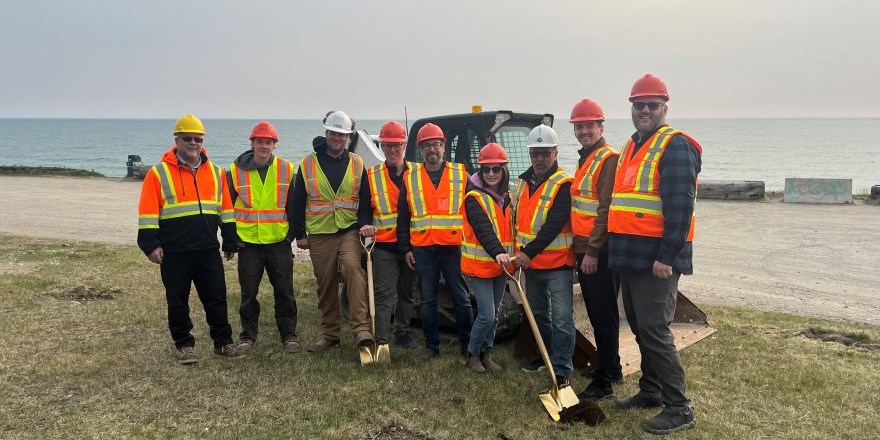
(623, 223)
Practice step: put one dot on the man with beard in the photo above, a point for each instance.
(324, 207)
(429, 232)
(651, 229)
(590, 198)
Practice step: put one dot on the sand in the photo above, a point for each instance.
(810, 260)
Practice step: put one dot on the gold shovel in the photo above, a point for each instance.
(555, 399)
(374, 353)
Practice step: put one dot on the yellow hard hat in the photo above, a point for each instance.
(189, 124)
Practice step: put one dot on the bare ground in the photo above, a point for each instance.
(812, 260)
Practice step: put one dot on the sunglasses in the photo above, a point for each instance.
(540, 153)
(651, 105)
(190, 139)
(488, 170)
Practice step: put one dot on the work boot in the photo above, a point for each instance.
(638, 401)
(364, 338)
(291, 345)
(488, 363)
(597, 390)
(474, 364)
(186, 355)
(535, 366)
(404, 340)
(668, 422)
(430, 353)
(562, 382)
(244, 346)
(323, 345)
(228, 351)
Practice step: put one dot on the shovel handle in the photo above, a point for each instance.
(371, 295)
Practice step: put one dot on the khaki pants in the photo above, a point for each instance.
(326, 250)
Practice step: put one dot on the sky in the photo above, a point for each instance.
(299, 59)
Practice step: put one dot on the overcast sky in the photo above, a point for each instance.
(293, 59)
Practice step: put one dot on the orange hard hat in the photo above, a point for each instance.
(430, 131)
(586, 110)
(649, 85)
(492, 153)
(392, 131)
(264, 129)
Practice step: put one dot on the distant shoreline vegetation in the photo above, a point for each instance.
(21, 170)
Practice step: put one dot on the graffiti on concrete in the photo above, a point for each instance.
(818, 190)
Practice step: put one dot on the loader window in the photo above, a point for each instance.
(514, 140)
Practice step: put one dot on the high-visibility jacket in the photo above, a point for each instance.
(475, 261)
(435, 212)
(585, 191)
(636, 207)
(179, 209)
(259, 209)
(384, 195)
(531, 213)
(327, 211)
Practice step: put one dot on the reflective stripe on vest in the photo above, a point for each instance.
(384, 194)
(475, 261)
(636, 206)
(259, 209)
(531, 214)
(328, 212)
(172, 209)
(584, 193)
(435, 212)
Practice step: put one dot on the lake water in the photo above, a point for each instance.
(733, 149)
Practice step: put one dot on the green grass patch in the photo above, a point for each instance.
(21, 170)
(104, 368)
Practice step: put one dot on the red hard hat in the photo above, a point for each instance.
(264, 129)
(392, 131)
(586, 110)
(492, 153)
(430, 131)
(649, 85)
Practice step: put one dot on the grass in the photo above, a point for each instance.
(20, 170)
(97, 362)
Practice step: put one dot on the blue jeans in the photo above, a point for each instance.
(550, 295)
(488, 292)
(430, 263)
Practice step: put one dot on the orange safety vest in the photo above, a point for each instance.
(584, 191)
(636, 206)
(166, 194)
(259, 209)
(531, 213)
(384, 195)
(475, 261)
(327, 211)
(435, 212)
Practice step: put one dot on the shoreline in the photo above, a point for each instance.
(804, 259)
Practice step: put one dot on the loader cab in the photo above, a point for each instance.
(466, 133)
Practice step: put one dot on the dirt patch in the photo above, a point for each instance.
(83, 294)
(584, 412)
(860, 340)
(397, 432)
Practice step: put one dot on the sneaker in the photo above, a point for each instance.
(488, 363)
(364, 338)
(244, 346)
(404, 340)
(638, 401)
(562, 382)
(535, 366)
(291, 346)
(186, 355)
(474, 364)
(228, 351)
(596, 391)
(668, 422)
(430, 353)
(323, 345)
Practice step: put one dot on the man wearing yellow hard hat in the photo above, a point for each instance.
(184, 200)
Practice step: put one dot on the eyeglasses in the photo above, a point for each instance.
(540, 153)
(392, 146)
(190, 139)
(488, 170)
(651, 105)
(436, 145)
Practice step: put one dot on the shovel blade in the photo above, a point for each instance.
(555, 401)
(383, 354)
(366, 355)
(374, 354)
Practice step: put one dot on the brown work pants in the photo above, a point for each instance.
(326, 251)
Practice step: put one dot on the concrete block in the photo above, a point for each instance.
(799, 190)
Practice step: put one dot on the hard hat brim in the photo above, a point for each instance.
(648, 95)
(542, 145)
(338, 130)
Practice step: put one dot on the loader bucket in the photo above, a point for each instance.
(689, 326)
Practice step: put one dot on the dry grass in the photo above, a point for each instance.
(105, 369)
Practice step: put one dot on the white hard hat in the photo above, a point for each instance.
(542, 136)
(338, 122)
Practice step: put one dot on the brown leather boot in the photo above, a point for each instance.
(323, 345)
(488, 363)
